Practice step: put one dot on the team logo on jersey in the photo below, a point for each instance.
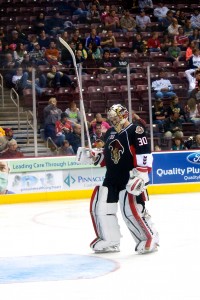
(116, 150)
(139, 130)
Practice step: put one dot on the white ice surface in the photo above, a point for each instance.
(172, 273)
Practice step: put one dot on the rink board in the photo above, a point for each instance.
(62, 178)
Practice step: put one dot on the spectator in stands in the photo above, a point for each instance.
(94, 2)
(22, 35)
(105, 13)
(160, 11)
(196, 145)
(109, 42)
(181, 18)
(193, 76)
(90, 65)
(52, 54)
(19, 53)
(146, 4)
(174, 53)
(194, 61)
(106, 64)
(175, 105)
(143, 22)
(93, 38)
(63, 128)
(112, 21)
(157, 148)
(173, 28)
(153, 43)
(66, 57)
(43, 40)
(80, 47)
(80, 12)
(66, 149)
(181, 39)
(26, 81)
(189, 51)
(167, 21)
(188, 27)
(32, 40)
(178, 144)
(74, 138)
(127, 23)
(14, 38)
(93, 15)
(9, 65)
(16, 79)
(195, 19)
(37, 55)
(193, 111)
(159, 114)
(165, 43)
(163, 86)
(12, 151)
(9, 134)
(94, 51)
(55, 24)
(79, 57)
(121, 64)
(51, 114)
(39, 23)
(76, 37)
(195, 93)
(195, 36)
(57, 79)
(101, 121)
(139, 44)
(73, 113)
(4, 171)
(97, 136)
(173, 126)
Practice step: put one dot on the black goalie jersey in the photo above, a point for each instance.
(124, 151)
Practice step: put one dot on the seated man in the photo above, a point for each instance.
(173, 126)
(63, 127)
(162, 86)
(12, 151)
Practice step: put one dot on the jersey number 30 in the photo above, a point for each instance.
(142, 141)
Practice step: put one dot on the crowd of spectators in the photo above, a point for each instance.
(105, 38)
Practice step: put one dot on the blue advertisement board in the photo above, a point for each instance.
(176, 167)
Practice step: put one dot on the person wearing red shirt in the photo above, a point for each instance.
(153, 43)
(63, 127)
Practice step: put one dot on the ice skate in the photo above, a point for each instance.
(110, 249)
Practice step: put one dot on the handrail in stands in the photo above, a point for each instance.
(28, 123)
(2, 89)
(15, 100)
(49, 139)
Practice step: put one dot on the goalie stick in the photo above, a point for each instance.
(79, 88)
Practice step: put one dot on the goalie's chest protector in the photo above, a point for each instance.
(120, 152)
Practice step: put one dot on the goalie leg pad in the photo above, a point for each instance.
(139, 223)
(104, 220)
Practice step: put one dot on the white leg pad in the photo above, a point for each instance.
(139, 223)
(104, 220)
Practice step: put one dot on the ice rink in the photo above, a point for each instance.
(45, 254)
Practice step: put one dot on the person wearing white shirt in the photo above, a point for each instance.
(192, 75)
(142, 21)
(160, 11)
(195, 19)
(162, 86)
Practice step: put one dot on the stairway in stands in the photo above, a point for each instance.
(8, 118)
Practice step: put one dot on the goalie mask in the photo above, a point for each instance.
(117, 115)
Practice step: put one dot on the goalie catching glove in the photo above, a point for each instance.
(89, 156)
(138, 181)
